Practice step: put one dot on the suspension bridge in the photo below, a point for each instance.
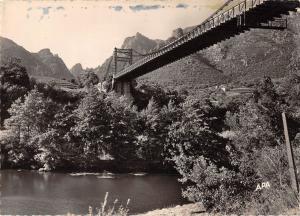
(232, 18)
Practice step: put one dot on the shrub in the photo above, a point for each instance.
(223, 173)
(202, 157)
(14, 83)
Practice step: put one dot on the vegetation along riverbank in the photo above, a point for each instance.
(222, 146)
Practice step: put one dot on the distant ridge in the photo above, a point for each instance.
(248, 56)
(40, 64)
(77, 70)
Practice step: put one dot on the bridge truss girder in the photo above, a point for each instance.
(267, 15)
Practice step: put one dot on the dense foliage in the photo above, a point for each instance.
(88, 79)
(222, 146)
(222, 170)
(14, 83)
(54, 129)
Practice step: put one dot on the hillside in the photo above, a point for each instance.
(248, 56)
(77, 70)
(43, 63)
(251, 55)
(55, 63)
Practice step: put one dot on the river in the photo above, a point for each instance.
(32, 192)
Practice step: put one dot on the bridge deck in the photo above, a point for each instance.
(235, 20)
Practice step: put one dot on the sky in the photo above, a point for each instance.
(86, 31)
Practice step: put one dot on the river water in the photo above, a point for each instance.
(31, 192)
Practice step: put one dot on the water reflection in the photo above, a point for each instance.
(30, 192)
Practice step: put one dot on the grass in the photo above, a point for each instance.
(106, 210)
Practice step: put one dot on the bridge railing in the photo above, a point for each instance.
(221, 17)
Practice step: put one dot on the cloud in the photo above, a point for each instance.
(141, 7)
(181, 5)
(60, 8)
(116, 7)
(45, 12)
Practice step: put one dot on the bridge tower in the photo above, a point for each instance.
(122, 87)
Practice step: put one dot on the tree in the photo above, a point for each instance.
(14, 83)
(124, 128)
(59, 149)
(28, 121)
(92, 126)
(260, 151)
(290, 89)
(203, 158)
(161, 96)
(88, 79)
(155, 123)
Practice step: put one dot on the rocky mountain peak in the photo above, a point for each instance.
(77, 66)
(45, 52)
(55, 63)
(139, 43)
(77, 70)
(41, 64)
(139, 35)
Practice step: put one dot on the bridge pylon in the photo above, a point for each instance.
(122, 87)
(122, 55)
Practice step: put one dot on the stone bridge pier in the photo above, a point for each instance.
(123, 87)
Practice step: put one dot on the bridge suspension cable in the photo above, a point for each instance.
(135, 53)
(221, 15)
(210, 17)
(231, 19)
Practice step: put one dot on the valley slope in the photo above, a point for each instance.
(40, 65)
(248, 56)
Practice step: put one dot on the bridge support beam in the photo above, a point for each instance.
(124, 88)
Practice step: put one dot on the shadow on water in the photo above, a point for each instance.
(31, 192)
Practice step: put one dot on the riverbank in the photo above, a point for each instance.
(195, 210)
(114, 166)
(188, 209)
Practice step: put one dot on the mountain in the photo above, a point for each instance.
(139, 43)
(41, 64)
(194, 68)
(77, 70)
(245, 57)
(55, 63)
(240, 59)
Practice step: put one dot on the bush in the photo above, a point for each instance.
(203, 158)
(14, 83)
(222, 171)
